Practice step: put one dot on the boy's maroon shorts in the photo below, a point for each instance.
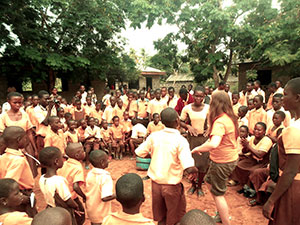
(168, 201)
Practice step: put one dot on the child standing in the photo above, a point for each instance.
(130, 193)
(97, 112)
(78, 111)
(117, 135)
(258, 114)
(55, 136)
(72, 133)
(235, 102)
(11, 198)
(170, 158)
(155, 125)
(278, 119)
(92, 139)
(72, 171)
(54, 188)
(242, 114)
(13, 164)
(105, 138)
(99, 186)
(109, 110)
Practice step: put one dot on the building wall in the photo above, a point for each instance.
(142, 82)
(155, 82)
(177, 85)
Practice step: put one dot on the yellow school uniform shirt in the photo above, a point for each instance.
(153, 128)
(72, 171)
(13, 164)
(255, 116)
(108, 114)
(24, 122)
(156, 106)
(117, 132)
(15, 218)
(170, 156)
(119, 112)
(56, 139)
(122, 218)
(142, 106)
(99, 185)
(54, 184)
(127, 125)
(236, 108)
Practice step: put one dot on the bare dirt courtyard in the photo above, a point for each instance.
(241, 213)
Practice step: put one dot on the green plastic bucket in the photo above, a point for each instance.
(142, 163)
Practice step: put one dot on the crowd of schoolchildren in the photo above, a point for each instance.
(221, 137)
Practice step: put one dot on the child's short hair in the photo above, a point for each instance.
(244, 126)
(58, 215)
(91, 118)
(12, 133)
(14, 94)
(96, 156)
(42, 93)
(281, 114)
(243, 108)
(278, 95)
(71, 121)
(169, 117)
(6, 186)
(262, 124)
(59, 109)
(115, 117)
(129, 190)
(52, 118)
(67, 114)
(236, 93)
(48, 154)
(196, 217)
(155, 114)
(260, 97)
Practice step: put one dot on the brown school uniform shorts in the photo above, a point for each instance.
(217, 176)
(168, 201)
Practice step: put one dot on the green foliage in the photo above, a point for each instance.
(72, 38)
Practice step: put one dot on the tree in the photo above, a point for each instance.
(73, 38)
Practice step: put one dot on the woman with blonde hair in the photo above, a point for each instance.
(222, 146)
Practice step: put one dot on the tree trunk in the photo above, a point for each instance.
(51, 79)
(228, 70)
(216, 76)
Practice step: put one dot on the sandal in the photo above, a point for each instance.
(253, 202)
(231, 183)
(191, 190)
(200, 193)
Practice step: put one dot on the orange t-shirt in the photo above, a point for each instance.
(117, 132)
(80, 133)
(170, 156)
(72, 170)
(88, 109)
(255, 116)
(127, 125)
(119, 112)
(31, 115)
(99, 184)
(156, 106)
(132, 108)
(56, 139)
(227, 151)
(108, 114)
(141, 108)
(105, 134)
(122, 218)
(73, 138)
(274, 132)
(15, 218)
(269, 103)
(264, 145)
(236, 108)
(78, 114)
(153, 128)
(13, 164)
(97, 114)
(24, 122)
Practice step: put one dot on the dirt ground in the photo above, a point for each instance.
(241, 213)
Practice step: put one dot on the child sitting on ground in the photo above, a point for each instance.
(99, 186)
(278, 119)
(82, 125)
(55, 136)
(130, 193)
(155, 125)
(11, 198)
(105, 142)
(14, 165)
(71, 134)
(139, 133)
(92, 139)
(54, 188)
(117, 135)
(72, 171)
